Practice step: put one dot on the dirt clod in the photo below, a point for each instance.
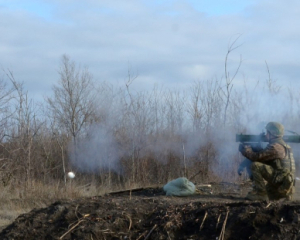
(147, 213)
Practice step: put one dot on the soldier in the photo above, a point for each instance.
(275, 164)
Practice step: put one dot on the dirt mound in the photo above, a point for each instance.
(148, 214)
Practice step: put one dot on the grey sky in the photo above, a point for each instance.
(170, 43)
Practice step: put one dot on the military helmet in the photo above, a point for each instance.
(275, 128)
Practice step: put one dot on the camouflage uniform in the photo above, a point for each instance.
(276, 165)
(246, 163)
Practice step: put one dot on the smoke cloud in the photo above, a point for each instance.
(140, 127)
(98, 151)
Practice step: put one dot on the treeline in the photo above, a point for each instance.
(117, 137)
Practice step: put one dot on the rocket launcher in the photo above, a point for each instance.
(247, 138)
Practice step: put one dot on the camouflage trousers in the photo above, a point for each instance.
(279, 184)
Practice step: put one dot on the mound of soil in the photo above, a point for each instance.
(149, 214)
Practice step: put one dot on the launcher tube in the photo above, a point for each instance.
(259, 138)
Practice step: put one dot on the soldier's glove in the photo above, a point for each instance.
(244, 148)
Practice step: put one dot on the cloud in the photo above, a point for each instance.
(171, 42)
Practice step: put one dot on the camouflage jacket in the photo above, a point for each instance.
(277, 154)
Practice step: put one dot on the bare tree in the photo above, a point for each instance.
(228, 78)
(24, 129)
(195, 108)
(73, 101)
(5, 102)
(271, 83)
(211, 102)
(6, 112)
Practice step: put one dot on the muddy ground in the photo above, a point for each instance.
(219, 212)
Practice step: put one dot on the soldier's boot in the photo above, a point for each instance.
(255, 195)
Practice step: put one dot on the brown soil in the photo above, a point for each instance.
(148, 214)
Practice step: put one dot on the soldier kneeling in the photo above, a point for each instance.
(275, 164)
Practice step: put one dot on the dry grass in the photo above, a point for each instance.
(10, 209)
(16, 201)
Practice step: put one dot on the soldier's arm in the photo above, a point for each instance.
(257, 147)
(271, 152)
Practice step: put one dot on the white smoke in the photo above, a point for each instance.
(250, 109)
(97, 151)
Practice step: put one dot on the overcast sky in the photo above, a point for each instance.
(170, 43)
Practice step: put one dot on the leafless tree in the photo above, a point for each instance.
(24, 129)
(211, 101)
(73, 102)
(5, 102)
(271, 83)
(195, 108)
(6, 112)
(226, 94)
